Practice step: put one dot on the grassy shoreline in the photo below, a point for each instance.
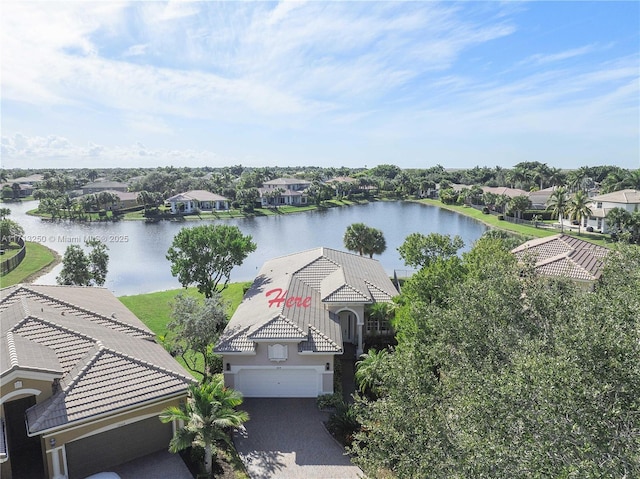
(38, 260)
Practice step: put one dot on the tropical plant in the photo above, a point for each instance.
(579, 207)
(558, 204)
(364, 239)
(371, 369)
(208, 415)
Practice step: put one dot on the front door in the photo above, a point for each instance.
(347, 321)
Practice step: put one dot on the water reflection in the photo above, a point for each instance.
(137, 250)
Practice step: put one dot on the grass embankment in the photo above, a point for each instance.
(526, 231)
(154, 309)
(38, 260)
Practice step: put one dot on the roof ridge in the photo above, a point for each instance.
(324, 336)
(146, 363)
(56, 326)
(93, 313)
(11, 346)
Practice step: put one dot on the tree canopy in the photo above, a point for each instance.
(85, 269)
(364, 239)
(512, 375)
(195, 327)
(419, 250)
(205, 255)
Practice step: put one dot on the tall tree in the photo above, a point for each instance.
(419, 250)
(208, 415)
(558, 204)
(194, 328)
(364, 239)
(84, 269)
(205, 255)
(495, 382)
(579, 207)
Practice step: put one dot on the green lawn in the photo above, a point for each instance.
(37, 258)
(154, 309)
(526, 231)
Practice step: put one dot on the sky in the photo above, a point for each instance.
(319, 83)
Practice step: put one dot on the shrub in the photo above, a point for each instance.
(500, 217)
(343, 423)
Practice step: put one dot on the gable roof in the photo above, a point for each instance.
(310, 279)
(197, 195)
(286, 182)
(623, 196)
(100, 354)
(564, 255)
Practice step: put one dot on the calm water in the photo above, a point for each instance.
(137, 262)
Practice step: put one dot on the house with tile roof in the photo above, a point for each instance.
(601, 205)
(284, 191)
(100, 186)
(301, 311)
(565, 256)
(82, 382)
(194, 201)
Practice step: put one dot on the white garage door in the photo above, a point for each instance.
(278, 382)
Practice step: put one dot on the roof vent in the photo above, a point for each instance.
(113, 315)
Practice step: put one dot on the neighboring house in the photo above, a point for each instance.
(126, 199)
(299, 314)
(602, 204)
(564, 255)
(100, 186)
(25, 189)
(82, 382)
(197, 200)
(540, 198)
(284, 191)
(503, 190)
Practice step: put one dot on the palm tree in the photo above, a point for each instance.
(364, 240)
(519, 204)
(371, 370)
(558, 204)
(579, 207)
(208, 414)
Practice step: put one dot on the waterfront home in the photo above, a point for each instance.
(302, 311)
(565, 256)
(284, 191)
(100, 186)
(194, 201)
(82, 382)
(601, 205)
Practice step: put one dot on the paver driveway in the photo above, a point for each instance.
(286, 439)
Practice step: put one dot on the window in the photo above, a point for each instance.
(599, 204)
(278, 352)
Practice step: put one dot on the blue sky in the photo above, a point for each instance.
(342, 83)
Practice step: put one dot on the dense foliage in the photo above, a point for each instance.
(507, 374)
(205, 255)
(82, 268)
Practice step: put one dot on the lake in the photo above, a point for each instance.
(137, 250)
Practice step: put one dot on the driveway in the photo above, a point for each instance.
(286, 439)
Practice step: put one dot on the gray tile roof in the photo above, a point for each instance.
(564, 255)
(318, 276)
(103, 361)
(622, 196)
